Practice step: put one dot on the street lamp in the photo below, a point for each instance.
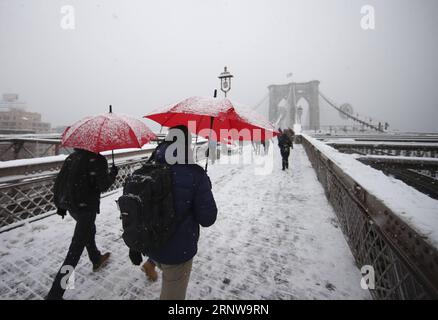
(225, 78)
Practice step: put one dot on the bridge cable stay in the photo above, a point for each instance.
(348, 115)
(262, 101)
(259, 104)
(282, 116)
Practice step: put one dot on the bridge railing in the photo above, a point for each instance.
(405, 264)
(417, 150)
(28, 194)
(27, 198)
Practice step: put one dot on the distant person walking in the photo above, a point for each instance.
(256, 146)
(83, 176)
(285, 144)
(240, 145)
(266, 144)
(212, 150)
(291, 134)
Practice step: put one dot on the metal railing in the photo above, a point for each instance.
(406, 266)
(31, 195)
(380, 137)
(405, 150)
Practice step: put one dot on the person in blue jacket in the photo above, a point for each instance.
(191, 190)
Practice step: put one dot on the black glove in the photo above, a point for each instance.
(114, 170)
(61, 212)
(135, 257)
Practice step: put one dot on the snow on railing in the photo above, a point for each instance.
(404, 149)
(389, 226)
(26, 186)
(32, 197)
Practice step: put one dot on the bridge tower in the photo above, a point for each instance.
(286, 96)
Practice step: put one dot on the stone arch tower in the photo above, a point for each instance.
(291, 93)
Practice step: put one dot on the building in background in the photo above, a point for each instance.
(15, 119)
(59, 129)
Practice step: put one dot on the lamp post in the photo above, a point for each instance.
(225, 78)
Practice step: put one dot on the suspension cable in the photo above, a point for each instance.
(261, 102)
(369, 125)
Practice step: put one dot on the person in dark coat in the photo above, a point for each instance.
(83, 177)
(193, 199)
(291, 134)
(285, 144)
(265, 144)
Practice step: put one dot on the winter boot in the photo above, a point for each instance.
(102, 262)
(51, 297)
(149, 269)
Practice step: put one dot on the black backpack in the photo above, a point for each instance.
(65, 188)
(146, 207)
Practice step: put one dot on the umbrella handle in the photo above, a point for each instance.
(196, 150)
(112, 151)
(209, 139)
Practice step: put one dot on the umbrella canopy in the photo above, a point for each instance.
(108, 131)
(238, 122)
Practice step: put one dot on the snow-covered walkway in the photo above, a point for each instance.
(276, 237)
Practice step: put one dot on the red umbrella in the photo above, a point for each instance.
(228, 120)
(108, 131)
(232, 118)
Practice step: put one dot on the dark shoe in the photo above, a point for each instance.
(50, 297)
(103, 260)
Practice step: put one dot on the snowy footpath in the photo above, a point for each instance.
(276, 237)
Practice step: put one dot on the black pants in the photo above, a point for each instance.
(285, 159)
(285, 163)
(83, 237)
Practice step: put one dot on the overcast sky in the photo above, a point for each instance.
(141, 55)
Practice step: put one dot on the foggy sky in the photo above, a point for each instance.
(142, 55)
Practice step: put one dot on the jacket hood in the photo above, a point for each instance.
(174, 153)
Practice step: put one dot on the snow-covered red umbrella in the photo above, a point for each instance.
(109, 131)
(227, 115)
(228, 120)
